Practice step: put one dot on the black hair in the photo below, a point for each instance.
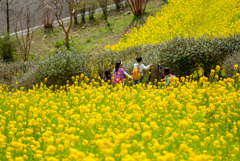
(166, 71)
(139, 59)
(117, 65)
(107, 73)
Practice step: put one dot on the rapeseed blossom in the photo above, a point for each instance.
(193, 121)
(185, 18)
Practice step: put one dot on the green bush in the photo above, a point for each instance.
(61, 67)
(7, 48)
(59, 43)
(13, 72)
(183, 56)
(186, 55)
(229, 63)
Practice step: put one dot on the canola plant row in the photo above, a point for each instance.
(186, 18)
(195, 121)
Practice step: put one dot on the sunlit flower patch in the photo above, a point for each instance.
(92, 120)
(186, 18)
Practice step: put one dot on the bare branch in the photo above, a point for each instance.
(25, 41)
(57, 7)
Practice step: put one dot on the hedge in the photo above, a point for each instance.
(183, 56)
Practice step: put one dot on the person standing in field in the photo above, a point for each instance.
(167, 74)
(107, 76)
(138, 70)
(119, 73)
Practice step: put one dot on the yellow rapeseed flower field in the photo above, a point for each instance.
(93, 121)
(186, 18)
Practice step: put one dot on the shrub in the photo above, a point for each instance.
(7, 48)
(64, 65)
(137, 6)
(59, 43)
(229, 63)
(16, 72)
(61, 67)
(186, 55)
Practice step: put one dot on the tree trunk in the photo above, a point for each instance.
(83, 15)
(118, 6)
(83, 19)
(67, 40)
(105, 14)
(8, 18)
(75, 18)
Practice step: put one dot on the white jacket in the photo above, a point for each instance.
(141, 67)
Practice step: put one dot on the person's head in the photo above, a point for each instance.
(166, 71)
(139, 59)
(107, 73)
(118, 65)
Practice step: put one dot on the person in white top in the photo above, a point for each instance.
(140, 66)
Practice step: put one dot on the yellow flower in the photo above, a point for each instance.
(103, 143)
(52, 159)
(183, 147)
(85, 142)
(109, 159)
(236, 150)
(170, 157)
(212, 72)
(51, 149)
(202, 158)
(230, 136)
(181, 17)
(60, 147)
(175, 135)
(217, 68)
(147, 135)
(183, 124)
(216, 143)
(19, 159)
(235, 67)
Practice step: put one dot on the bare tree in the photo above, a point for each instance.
(137, 6)
(57, 6)
(25, 39)
(8, 8)
(118, 4)
(103, 4)
(91, 6)
(75, 18)
(47, 18)
(83, 10)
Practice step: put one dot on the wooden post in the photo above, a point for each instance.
(158, 73)
(149, 78)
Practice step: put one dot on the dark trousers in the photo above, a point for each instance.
(136, 81)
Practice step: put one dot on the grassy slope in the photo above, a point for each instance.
(95, 35)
